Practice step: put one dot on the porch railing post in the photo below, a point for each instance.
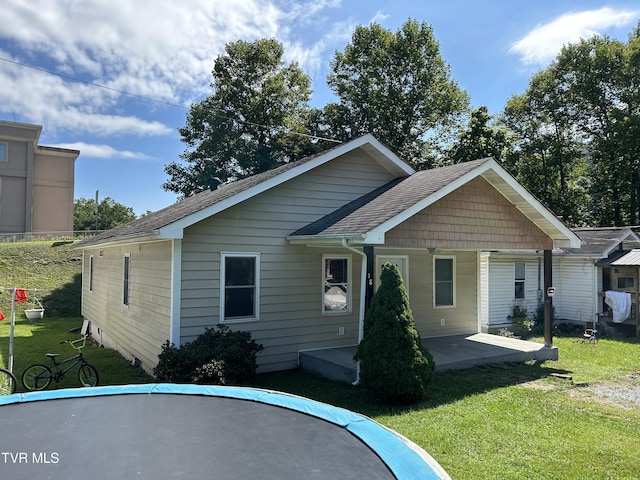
(548, 302)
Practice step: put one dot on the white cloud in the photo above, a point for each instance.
(36, 96)
(102, 151)
(543, 43)
(160, 49)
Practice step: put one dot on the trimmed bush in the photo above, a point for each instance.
(393, 362)
(218, 356)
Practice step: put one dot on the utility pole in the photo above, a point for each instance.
(95, 210)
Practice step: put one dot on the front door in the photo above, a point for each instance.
(400, 261)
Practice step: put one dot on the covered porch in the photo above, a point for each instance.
(455, 352)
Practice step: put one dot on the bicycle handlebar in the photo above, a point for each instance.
(82, 339)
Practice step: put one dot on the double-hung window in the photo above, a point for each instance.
(336, 290)
(240, 286)
(444, 281)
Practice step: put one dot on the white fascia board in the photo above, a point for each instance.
(386, 157)
(571, 240)
(120, 241)
(625, 235)
(326, 240)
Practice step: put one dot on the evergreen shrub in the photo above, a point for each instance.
(393, 362)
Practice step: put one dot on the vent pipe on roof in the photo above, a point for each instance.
(214, 182)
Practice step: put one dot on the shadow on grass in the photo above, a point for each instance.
(64, 301)
(446, 387)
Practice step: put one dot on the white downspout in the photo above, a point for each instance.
(363, 291)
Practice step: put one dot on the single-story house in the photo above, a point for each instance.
(291, 254)
(581, 276)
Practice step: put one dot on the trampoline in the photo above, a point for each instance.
(155, 431)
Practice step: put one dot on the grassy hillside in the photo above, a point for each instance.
(53, 267)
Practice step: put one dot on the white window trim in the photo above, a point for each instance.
(349, 308)
(523, 280)
(91, 270)
(256, 306)
(6, 152)
(453, 266)
(126, 288)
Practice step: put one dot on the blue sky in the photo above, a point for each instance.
(164, 50)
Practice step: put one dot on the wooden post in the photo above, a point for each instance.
(548, 302)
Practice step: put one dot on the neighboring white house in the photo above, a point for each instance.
(580, 278)
(290, 254)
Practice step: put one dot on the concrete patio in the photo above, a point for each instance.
(449, 353)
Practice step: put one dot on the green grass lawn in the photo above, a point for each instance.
(513, 421)
(494, 422)
(32, 340)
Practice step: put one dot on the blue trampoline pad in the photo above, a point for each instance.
(160, 431)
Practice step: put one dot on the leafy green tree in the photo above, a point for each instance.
(548, 154)
(251, 123)
(393, 362)
(601, 75)
(396, 87)
(110, 214)
(479, 140)
(577, 127)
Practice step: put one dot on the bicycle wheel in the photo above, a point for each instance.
(88, 375)
(36, 377)
(7, 382)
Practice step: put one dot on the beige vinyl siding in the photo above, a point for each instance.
(291, 276)
(140, 328)
(475, 216)
(463, 318)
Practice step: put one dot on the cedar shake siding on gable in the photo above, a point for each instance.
(373, 209)
(474, 216)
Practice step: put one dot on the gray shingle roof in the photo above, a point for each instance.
(150, 223)
(375, 208)
(598, 241)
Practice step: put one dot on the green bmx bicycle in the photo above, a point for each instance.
(39, 376)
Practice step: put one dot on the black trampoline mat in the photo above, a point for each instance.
(167, 435)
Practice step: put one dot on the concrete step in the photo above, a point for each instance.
(332, 363)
